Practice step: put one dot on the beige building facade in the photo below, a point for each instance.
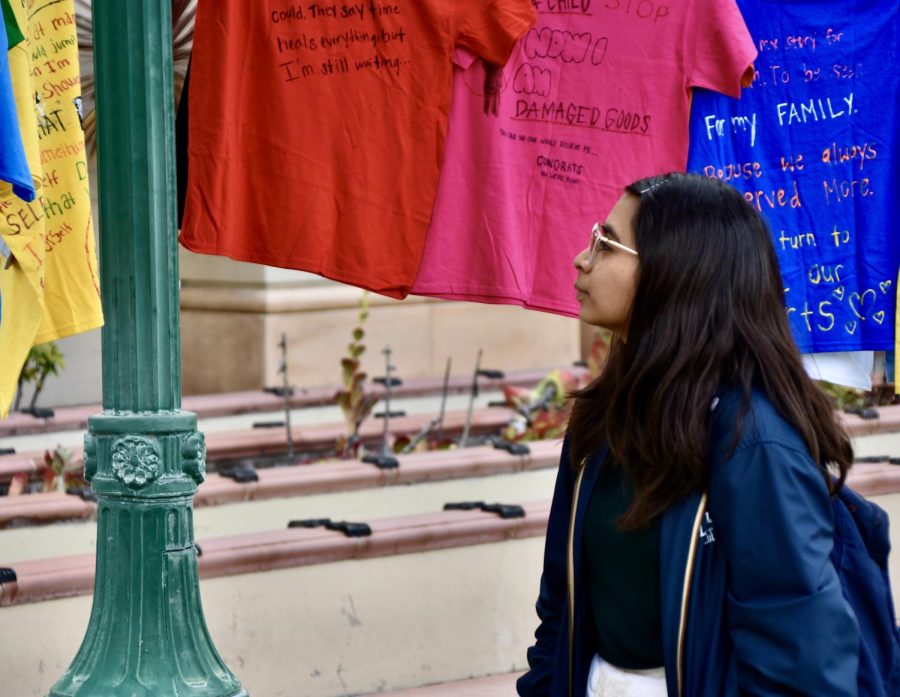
(234, 314)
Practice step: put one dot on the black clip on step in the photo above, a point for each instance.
(242, 472)
(510, 447)
(382, 462)
(85, 493)
(867, 413)
(504, 510)
(349, 529)
(280, 391)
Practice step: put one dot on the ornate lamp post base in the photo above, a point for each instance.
(147, 636)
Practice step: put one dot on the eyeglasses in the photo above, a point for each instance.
(600, 242)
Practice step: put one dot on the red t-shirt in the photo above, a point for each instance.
(317, 131)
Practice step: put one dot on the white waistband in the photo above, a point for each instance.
(605, 680)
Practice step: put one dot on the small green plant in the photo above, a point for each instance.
(844, 397)
(43, 361)
(60, 473)
(852, 399)
(28, 373)
(355, 404)
(542, 412)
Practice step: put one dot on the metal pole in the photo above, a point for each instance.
(143, 456)
(444, 391)
(287, 393)
(464, 439)
(388, 388)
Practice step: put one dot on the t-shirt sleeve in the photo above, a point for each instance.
(720, 49)
(490, 28)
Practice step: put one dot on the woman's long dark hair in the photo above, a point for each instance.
(708, 311)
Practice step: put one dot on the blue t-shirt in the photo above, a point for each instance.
(13, 165)
(813, 144)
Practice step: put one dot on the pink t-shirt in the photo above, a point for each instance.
(595, 96)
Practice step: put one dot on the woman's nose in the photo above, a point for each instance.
(581, 260)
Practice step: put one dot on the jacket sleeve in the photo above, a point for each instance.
(552, 602)
(792, 630)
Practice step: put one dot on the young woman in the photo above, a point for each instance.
(688, 546)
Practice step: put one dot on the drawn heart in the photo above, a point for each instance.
(850, 327)
(884, 287)
(879, 316)
(838, 293)
(858, 302)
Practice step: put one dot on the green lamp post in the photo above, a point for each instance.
(143, 456)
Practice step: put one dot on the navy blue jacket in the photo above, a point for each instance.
(751, 602)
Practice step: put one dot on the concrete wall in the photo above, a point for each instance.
(80, 382)
(233, 316)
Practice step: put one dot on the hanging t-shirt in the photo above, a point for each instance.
(813, 146)
(71, 276)
(849, 368)
(316, 131)
(13, 164)
(595, 96)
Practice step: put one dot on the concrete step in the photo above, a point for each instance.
(66, 576)
(18, 544)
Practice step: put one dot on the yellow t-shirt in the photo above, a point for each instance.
(58, 224)
(52, 289)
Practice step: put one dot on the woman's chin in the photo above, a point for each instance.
(586, 316)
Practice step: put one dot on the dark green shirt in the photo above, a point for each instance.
(623, 578)
(13, 33)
